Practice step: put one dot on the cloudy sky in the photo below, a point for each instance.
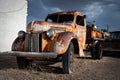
(104, 12)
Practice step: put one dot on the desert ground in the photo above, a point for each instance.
(108, 68)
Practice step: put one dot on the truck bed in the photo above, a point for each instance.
(93, 34)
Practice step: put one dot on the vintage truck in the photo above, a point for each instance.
(62, 34)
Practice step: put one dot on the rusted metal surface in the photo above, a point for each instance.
(93, 33)
(30, 54)
(97, 34)
(65, 26)
(78, 32)
(42, 26)
(62, 42)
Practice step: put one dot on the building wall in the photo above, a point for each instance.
(12, 19)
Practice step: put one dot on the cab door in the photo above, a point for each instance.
(81, 30)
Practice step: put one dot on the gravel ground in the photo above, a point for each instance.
(108, 68)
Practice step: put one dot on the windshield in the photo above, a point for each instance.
(65, 18)
(115, 35)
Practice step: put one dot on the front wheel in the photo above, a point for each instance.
(68, 60)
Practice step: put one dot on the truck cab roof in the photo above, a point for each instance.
(67, 12)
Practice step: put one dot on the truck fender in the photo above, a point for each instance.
(18, 45)
(62, 42)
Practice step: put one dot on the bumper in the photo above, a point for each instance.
(30, 54)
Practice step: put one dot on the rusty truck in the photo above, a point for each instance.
(62, 34)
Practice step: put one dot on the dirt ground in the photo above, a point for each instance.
(108, 68)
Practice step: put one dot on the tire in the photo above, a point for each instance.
(99, 51)
(92, 49)
(68, 60)
(23, 63)
(96, 51)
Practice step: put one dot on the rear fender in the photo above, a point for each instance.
(62, 42)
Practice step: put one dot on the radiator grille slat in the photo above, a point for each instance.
(28, 42)
(33, 42)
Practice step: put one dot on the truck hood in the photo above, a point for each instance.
(41, 26)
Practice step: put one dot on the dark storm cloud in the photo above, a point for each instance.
(103, 11)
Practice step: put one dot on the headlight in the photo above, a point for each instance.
(50, 32)
(21, 34)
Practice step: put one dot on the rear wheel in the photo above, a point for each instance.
(96, 50)
(99, 51)
(23, 63)
(68, 60)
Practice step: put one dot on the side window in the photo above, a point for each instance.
(80, 20)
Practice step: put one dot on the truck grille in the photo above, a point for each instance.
(33, 42)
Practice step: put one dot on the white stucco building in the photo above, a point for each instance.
(13, 15)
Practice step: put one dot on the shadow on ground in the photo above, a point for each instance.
(53, 66)
(48, 66)
(112, 54)
(9, 62)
